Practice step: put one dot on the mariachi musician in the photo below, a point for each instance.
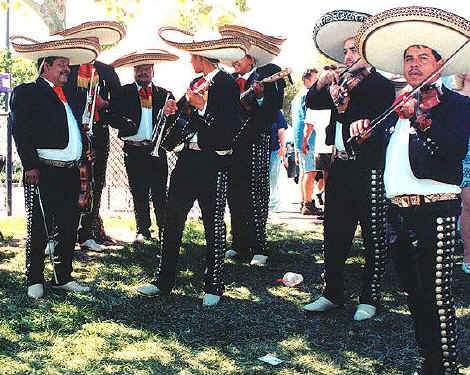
(360, 92)
(248, 186)
(91, 233)
(426, 139)
(201, 170)
(46, 121)
(146, 163)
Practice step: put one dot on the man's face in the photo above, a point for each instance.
(58, 72)
(308, 82)
(351, 53)
(243, 65)
(418, 64)
(143, 74)
(196, 62)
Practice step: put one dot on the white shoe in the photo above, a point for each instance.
(466, 267)
(230, 254)
(91, 245)
(259, 260)
(364, 311)
(73, 286)
(210, 300)
(148, 290)
(320, 305)
(36, 291)
(229, 237)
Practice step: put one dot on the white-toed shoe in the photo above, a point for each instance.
(259, 260)
(210, 300)
(229, 237)
(148, 290)
(72, 286)
(230, 254)
(320, 305)
(466, 267)
(364, 311)
(36, 291)
(91, 245)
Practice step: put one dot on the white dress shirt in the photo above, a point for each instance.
(145, 131)
(73, 151)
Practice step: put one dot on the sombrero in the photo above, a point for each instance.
(77, 50)
(333, 29)
(264, 48)
(225, 50)
(148, 56)
(108, 32)
(383, 38)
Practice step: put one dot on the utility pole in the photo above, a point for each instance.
(9, 130)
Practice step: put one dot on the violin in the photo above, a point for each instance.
(349, 79)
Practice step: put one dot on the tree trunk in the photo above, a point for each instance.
(52, 12)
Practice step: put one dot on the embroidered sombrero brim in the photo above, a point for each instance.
(226, 50)
(149, 56)
(261, 49)
(333, 29)
(383, 38)
(77, 50)
(108, 32)
(226, 29)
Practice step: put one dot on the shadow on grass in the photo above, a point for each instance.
(113, 330)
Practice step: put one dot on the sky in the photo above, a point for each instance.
(294, 19)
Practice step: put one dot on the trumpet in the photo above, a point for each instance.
(157, 135)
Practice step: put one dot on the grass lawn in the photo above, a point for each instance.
(112, 330)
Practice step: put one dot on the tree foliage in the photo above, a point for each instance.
(194, 15)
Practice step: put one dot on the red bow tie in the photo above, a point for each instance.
(145, 92)
(241, 83)
(60, 94)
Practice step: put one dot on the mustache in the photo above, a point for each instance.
(415, 71)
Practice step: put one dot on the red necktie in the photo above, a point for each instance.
(145, 92)
(60, 94)
(242, 83)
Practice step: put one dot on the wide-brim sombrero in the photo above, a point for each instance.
(77, 50)
(108, 32)
(226, 50)
(263, 48)
(333, 29)
(148, 56)
(383, 38)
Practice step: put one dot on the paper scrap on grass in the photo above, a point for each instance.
(268, 358)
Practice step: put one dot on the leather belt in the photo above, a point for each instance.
(60, 163)
(417, 200)
(195, 147)
(342, 155)
(145, 143)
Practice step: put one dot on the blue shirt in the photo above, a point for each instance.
(280, 123)
(298, 110)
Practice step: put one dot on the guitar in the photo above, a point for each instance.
(273, 78)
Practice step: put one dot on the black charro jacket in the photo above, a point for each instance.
(437, 153)
(39, 120)
(368, 100)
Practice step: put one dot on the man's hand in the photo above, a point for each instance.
(407, 110)
(358, 127)
(297, 158)
(196, 100)
(258, 89)
(305, 146)
(170, 107)
(90, 156)
(327, 77)
(32, 176)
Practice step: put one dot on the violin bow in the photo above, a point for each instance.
(379, 119)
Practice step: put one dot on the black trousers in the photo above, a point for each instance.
(422, 241)
(248, 198)
(354, 195)
(91, 223)
(197, 175)
(147, 176)
(59, 189)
